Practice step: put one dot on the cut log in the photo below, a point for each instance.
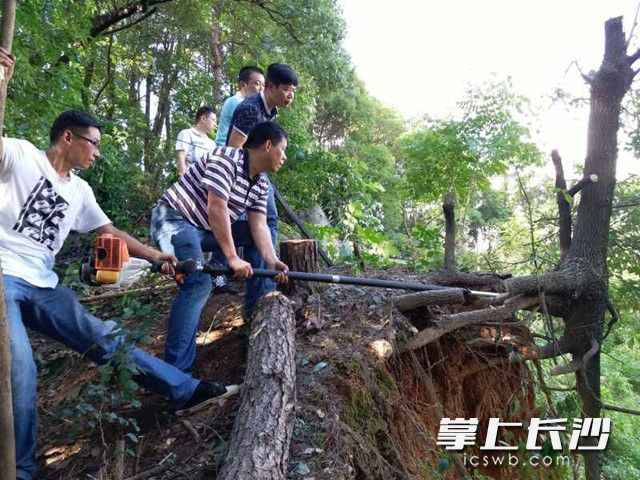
(300, 256)
(259, 443)
(411, 301)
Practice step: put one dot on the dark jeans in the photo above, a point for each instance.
(56, 312)
(174, 234)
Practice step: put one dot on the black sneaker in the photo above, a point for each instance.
(206, 393)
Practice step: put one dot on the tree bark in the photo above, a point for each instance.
(215, 47)
(585, 319)
(300, 256)
(448, 207)
(259, 443)
(564, 207)
(7, 435)
(101, 23)
(583, 274)
(411, 301)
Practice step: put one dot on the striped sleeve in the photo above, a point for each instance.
(219, 176)
(260, 204)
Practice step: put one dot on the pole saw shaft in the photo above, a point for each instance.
(190, 266)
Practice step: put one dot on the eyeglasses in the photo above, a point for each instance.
(95, 143)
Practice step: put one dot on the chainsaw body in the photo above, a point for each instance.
(107, 262)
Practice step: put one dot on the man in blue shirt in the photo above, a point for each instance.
(250, 81)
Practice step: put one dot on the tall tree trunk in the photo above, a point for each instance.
(152, 139)
(585, 319)
(215, 47)
(448, 207)
(7, 438)
(582, 275)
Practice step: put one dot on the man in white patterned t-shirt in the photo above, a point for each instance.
(194, 143)
(41, 201)
(199, 212)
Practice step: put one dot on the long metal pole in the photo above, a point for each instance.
(190, 266)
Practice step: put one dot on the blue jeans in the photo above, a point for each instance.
(272, 222)
(174, 234)
(56, 312)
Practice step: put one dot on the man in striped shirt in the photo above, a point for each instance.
(197, 213)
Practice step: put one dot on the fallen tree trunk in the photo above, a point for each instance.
(259, 443)
(411, 301)
(463, 279)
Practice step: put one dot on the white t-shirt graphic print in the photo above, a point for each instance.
(38, 209)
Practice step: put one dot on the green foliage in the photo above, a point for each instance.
(99, 402)
(461, 156)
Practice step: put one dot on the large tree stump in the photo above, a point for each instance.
(300, 256)
(259, 444)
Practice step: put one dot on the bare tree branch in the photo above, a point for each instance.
(102, 22)
(614, 408)
(131, 24)
(448, 207)
(564, 207)
(577, 364)
(614, 317)
(586, 180)
(633, 27)
(545, 388)
(633, 57)
(278, 17)
(449, 323)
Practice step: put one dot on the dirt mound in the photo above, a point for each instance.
(364, 410)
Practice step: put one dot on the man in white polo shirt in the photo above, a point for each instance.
(194, 143)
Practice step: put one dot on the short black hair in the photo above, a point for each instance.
(203, 112)
(245, 73)
(264, 131)
(279, 73)
(70, 119)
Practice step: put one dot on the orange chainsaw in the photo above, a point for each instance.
(111, 265)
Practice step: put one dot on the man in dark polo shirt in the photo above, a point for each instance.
(279, 90)
(198, 213)
(280, 87)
